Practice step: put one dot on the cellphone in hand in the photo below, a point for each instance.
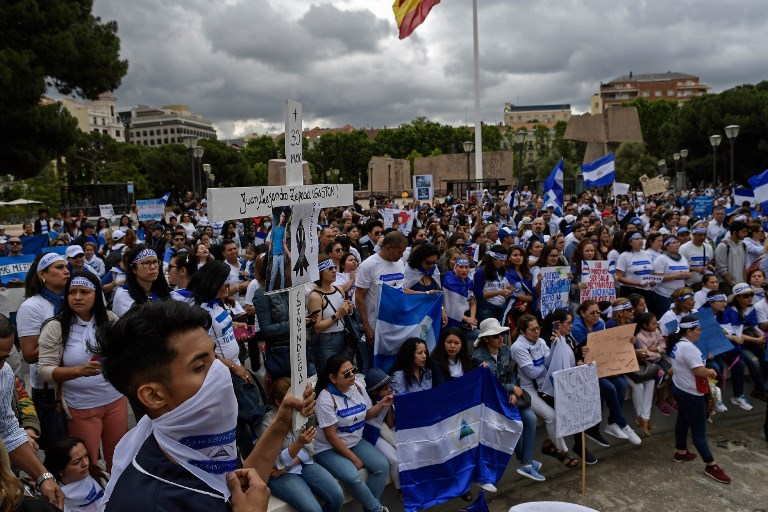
(556, 327)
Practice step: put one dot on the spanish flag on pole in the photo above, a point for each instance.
(409, 14)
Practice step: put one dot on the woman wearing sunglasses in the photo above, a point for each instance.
(342, 408)
(143, 281)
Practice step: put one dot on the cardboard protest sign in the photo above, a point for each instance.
(555, 284)
(106, 211)
(598, 276)
(651, 186)
(613, 351)
(577, 399)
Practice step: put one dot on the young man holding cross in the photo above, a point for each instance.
(182, 453)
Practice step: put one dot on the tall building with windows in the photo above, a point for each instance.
(671, 85)
(528, 116)
(98, 116)
(167, 125)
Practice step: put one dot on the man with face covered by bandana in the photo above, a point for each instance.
(182, 454)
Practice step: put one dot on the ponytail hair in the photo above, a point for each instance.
(676, 336)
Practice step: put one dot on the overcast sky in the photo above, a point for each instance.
(234, 61)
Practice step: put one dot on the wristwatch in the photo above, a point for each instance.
(42, 478)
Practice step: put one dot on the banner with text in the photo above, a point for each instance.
(15, 267)
(555, 284)
(598, 276)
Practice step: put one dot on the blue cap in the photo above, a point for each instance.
(375, 379)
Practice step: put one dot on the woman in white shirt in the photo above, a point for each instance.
(189, 227)
(342, 408)
(689, 385)
(98, 413)
(632, 265)
(674, 270)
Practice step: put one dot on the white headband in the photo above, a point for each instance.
(48, 260)
(461, 262)
(497, 255)
(81, 281)
(621, 307)
(717, 298)
(688, 325)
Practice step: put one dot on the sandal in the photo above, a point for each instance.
(672, 404)
(568, 461)
(551, 450)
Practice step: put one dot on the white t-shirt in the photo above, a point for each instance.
(222, 332)
(761, 309)
(667, 318)
(32, 313)
(122, 301)
(697, 257)
(634, 265)
(84, 392)
(664, 265)
(372, 274)
(347, 413)
(685, 357)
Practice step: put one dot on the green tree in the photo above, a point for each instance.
(260, 150)
(657, 123)
(632, 161)
(491, 137)
(55, 43)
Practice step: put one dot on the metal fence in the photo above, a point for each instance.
(89, 197)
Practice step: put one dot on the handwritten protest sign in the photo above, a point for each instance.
(598, 276)
(106, 211)
(651, 186)
(401, 219)
(555, 284)
(577, 399)
(712, 339)
(150, 209)
(702, 207)
(651, 278)
(612, 350)
(241, 202)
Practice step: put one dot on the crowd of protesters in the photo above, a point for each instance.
(484, 256)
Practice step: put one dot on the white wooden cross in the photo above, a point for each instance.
(245, 202)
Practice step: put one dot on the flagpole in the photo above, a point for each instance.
(478, 120)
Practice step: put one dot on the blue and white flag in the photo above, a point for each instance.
(402, 316)
(553, 187)
(456, 294)
(759, 185)
(600, 172)
(15, 267)
(448, 437)
(152, 209)
(741, 194)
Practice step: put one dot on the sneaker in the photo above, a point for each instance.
(684, 457)
(715, 472)
(536, 465)
(741, 401)
(720, 406)
(661, 379)
(631, 436)
(488, 487)
(589, 458)
(614, 430)
(530, 472)
(597, 438)
(664, 408)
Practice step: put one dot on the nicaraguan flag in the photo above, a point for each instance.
(402, 316)
(600, 172)
(165, 197)
(553, 187)
(741, 194)
(455, 298)
(448, 437)
(759, 185)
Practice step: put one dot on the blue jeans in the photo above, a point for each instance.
(296, 490)
(659, 305)
(366, 493)
(326, 345)
(752, 360)
(613, 389)
(524, 448)
(487, 310)
(724, 361)
(278, 269)
(691, 415)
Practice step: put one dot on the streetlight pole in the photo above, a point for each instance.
(732, 131)
(468, 146)
(714, 140)
(676, 158)
(370, 178)
(684, 156)
(389, 173)
(198, 154)
(207, 171)
(191, 141)
(520, 139)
